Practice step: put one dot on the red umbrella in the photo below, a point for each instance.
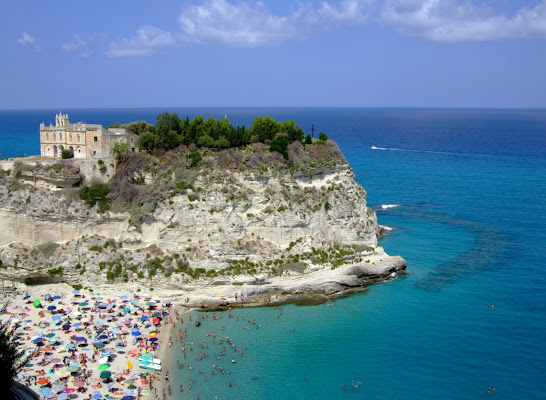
(156, 320)
(43, 381)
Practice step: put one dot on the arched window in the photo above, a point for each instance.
(61, 136)
(70, 137)
(47, 136)
(53, 136)
(78, 137)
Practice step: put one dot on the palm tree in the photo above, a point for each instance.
(12, 360)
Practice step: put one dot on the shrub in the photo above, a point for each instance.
(47, 248)
(95, 193)
(195, 157)
(327, 206)
(67, 154)
(55, 271)
(322, 136)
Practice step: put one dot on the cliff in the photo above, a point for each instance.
(194, 220)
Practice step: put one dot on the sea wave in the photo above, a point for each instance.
(387, 206)
(386, 227)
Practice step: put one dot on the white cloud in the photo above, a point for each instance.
(239, 24)
(77, 44)
(349, 11)
(457, 21)
(146, 41)
(27, 40)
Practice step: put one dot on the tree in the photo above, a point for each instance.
(322, 136)
(12, 360)
(147, 141)
(119, 149)
(265, 128)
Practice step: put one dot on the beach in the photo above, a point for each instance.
(87, 344)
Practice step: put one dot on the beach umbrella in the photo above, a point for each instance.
(50, 334)
(50, 395)
(127, 397)
(56, 319)
(135, 302)
(68, 390)
(47, 295)
(62, 374)
(76, 292)
(36, 303)
(103, 360)
(153, 334)
(155, 320)
(137, 333)
(63, 396)
(96, 341)
(58, 388)
(70, 346)
(152, 329)
(106, 354)
(55, 360)
(79, 339)
(103, 367)
(43, 381)
(53, 339)
(51, 308)
(57, 297)
(44, 390)
(74, 367)
(126, 309)
(26, 297)
(144, 318)
(154, 339)
(66, 327)
(97, 395)
(105, 374)
(77, 325)
(124, 297)
(150, 303)
(37, 340)
(83, 304)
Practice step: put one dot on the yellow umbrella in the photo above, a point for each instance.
(153, 334)
(222, 294)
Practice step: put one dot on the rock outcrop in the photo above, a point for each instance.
(238, 217)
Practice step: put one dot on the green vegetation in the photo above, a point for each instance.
(67, 154)
(47, 248)
(12, 360)
(55, 271)
(95, 194)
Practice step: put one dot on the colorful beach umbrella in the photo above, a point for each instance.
(103, 367)
(105, 374)
(43, 381)
(36, 303)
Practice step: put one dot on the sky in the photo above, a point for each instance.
(242, 53)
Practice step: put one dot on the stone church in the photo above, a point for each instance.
(83, 140)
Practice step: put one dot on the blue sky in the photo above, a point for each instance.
(161, 53)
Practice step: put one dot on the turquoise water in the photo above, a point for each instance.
(471, 190)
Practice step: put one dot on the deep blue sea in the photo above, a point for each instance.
(470, 190)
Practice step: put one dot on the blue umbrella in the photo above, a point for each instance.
(38, 340)
(63, 396)
(51, 308)
(56, 318)
(77, 325)
(144, 318)
(122, 297)
(66, 327)
(102, 337)
(154, 339)
(53, 339)
(79, 339)
(47, 295)
(126, 309)
(106, 354)
(137, 333)
(96, 341)
(127, 398)
(97, 396)
(76, 292)
(26, 297)
(44, 390)
(70, 346)
(57, 297)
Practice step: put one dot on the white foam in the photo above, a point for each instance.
(386, 227)
(387, 206)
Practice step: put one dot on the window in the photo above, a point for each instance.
(133, 150)
(70, 137)
(94, 152)
(61, 136)
(78, 137)
(47, 136)
(95, 139)
(53, 136)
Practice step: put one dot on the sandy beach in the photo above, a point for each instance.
(86, 344)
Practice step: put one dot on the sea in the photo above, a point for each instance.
(464, 192)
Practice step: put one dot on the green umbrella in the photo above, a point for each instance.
(150, 303)
(84, 304)
(102, 367)
(156, 314)
(105, 374)
(36, 303)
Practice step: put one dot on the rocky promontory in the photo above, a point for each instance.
(195, 221)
